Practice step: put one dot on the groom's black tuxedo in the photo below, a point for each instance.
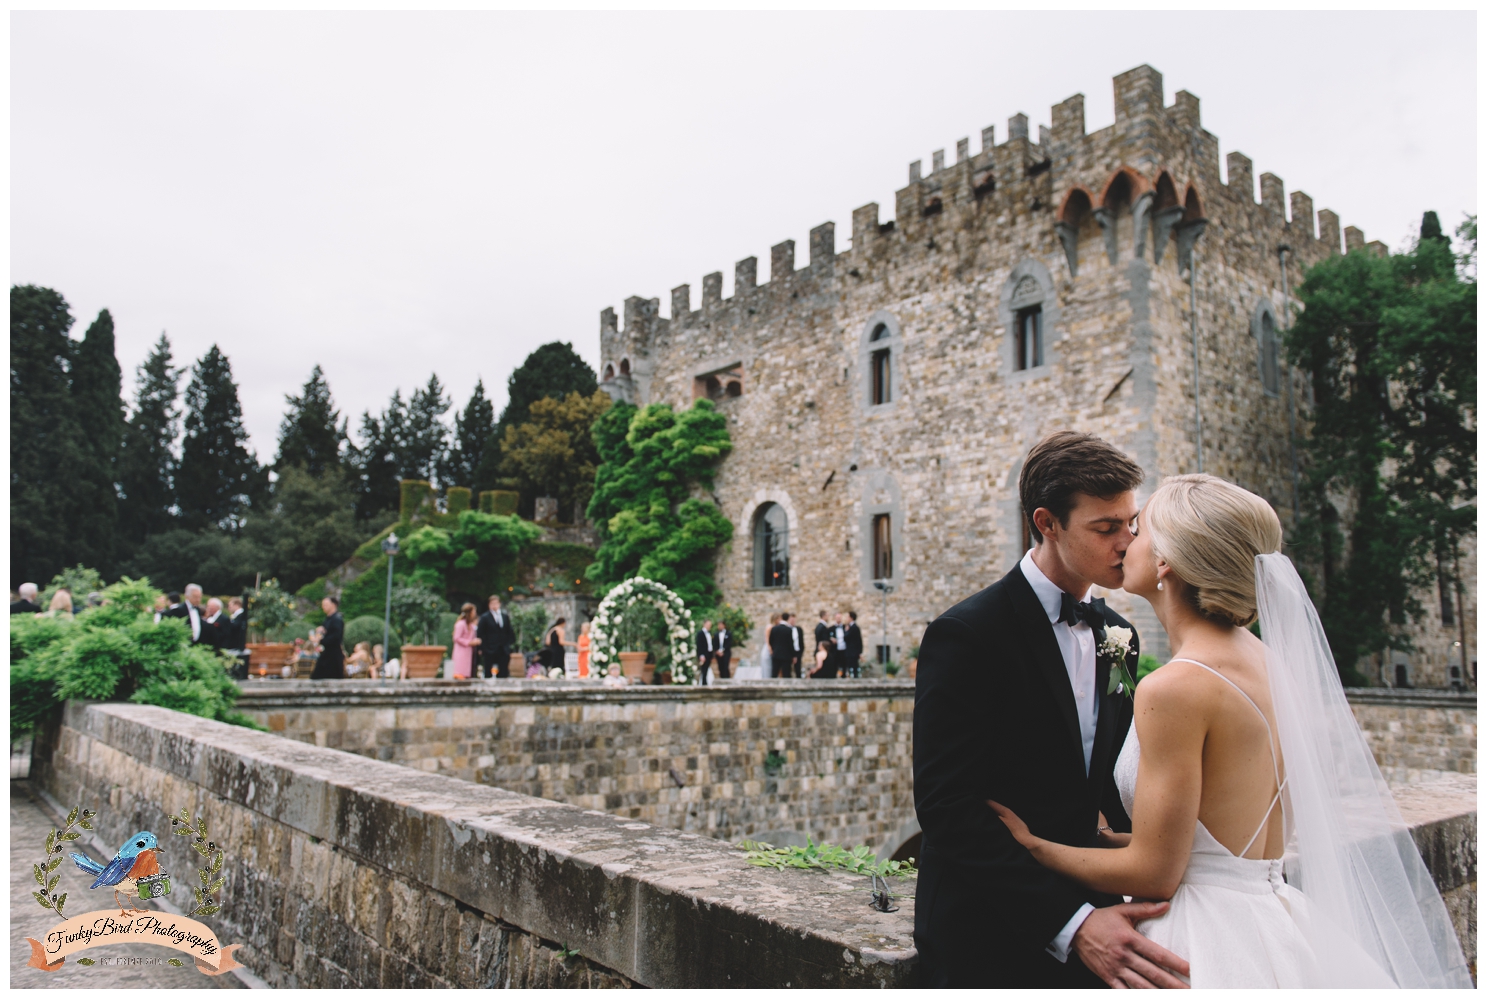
(995, 718)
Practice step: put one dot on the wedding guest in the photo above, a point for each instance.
(584, 642)
(360, 660)
(496, 639)
(704, 639)
(823, 652)
(27, 604)
(797, 641)
(236, 637)
(331, 663)
(823, 635)
(465, 644)
(781, 647)
(724, 645)
(189, 611)
(212, 624)
(852, 638)
(61, 605)
(557, 645)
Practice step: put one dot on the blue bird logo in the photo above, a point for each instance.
(136, 859)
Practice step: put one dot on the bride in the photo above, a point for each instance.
(1256, 806)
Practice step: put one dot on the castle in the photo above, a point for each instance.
(881, 399)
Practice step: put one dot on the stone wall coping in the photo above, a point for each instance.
(259, 695)
(661, 907)
(1412, 697)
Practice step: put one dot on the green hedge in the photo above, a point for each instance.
(500, 501)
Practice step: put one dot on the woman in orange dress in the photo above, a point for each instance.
(583, 649)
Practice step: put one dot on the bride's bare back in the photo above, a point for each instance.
(1237, 772)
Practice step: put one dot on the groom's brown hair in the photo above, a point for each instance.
(1065, 463)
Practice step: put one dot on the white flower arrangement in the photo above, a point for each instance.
(1117, 649)
(610, 615)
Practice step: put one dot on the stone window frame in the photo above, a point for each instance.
(1257, 330)
(744, 535)
(758, 569)
(720, 367)
(873, 480)
(1007, 313)
(867, 347)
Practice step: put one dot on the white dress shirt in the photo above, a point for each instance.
(1077, 644)
(195, 614)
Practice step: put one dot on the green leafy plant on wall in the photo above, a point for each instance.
(652, 460)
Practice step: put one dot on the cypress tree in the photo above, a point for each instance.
(99, 410)
(426, 438)
(551, 371)
(148, 464)
(474, 438)
(219, 477)
(309, 436)
(45, 442)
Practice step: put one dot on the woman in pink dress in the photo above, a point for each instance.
(464, 643)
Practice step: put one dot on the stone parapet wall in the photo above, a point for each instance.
(828, 759)
(344, 871)
(1417, 732)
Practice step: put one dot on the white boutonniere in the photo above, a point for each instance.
(1117, 649)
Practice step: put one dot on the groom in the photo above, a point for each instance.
(1014, 703)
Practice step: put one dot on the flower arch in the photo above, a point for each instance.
(611, 613)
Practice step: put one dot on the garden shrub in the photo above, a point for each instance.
(369, 629)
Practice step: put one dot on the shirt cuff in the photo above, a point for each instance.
(1059, 948)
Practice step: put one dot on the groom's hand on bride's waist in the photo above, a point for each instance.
(1109, 945)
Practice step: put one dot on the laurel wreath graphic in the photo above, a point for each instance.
(211, 870)
(55, 839)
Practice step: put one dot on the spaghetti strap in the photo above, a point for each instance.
(1269, 738)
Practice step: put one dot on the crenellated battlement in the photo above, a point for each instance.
(1149, 180)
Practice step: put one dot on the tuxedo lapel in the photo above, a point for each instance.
(1105, 723)
(1047, 659)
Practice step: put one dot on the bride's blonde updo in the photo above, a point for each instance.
(1209, 531)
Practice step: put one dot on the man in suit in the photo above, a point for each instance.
(213, 625)
(823, 634)
(189, 611)
(235, 641)
(1012, 705)
(27, 604)
(723, 649)
(704, 640)
(331, 665)
(496, 638)
(797, 641)
(852, 640)
(781, 648)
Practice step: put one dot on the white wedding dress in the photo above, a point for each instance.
(1237, 922)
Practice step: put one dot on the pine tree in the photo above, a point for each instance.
(426, 437)
(99, 410)
(309, 437)
(148, 464)
(474, 440)
(378, 462)
(45, 441)
(219, 477)
(551, 371)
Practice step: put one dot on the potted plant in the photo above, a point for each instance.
(270, 610)
(417, 607)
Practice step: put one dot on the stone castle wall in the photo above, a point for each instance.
(1098, 230)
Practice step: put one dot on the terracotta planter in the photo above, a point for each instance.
(913, 668)
(273, 654)
(516, 665)
(634, 666)
(422, 662)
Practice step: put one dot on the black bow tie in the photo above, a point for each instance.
(1072, 612)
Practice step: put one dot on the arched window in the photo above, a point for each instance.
(1027, 300)
(608, 372)
(882, 367)
(625, 367)
(1269, 355)
(771, 546)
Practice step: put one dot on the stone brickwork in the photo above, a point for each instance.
(828, 759)
(698, 759)
(1097, 232)
(349, 872)
(1417, 733)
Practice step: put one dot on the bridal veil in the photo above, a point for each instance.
(1347, 849)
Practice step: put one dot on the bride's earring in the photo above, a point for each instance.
(1159, 584)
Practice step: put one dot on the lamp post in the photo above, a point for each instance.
(390, 549)
(882, 585)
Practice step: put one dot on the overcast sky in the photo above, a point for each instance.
(393, 194)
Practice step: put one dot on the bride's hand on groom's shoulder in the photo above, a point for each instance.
(1015, 825)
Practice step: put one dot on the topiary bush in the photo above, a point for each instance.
(369, 629)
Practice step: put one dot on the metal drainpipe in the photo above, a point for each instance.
(1197, 400)
(1285, 304)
